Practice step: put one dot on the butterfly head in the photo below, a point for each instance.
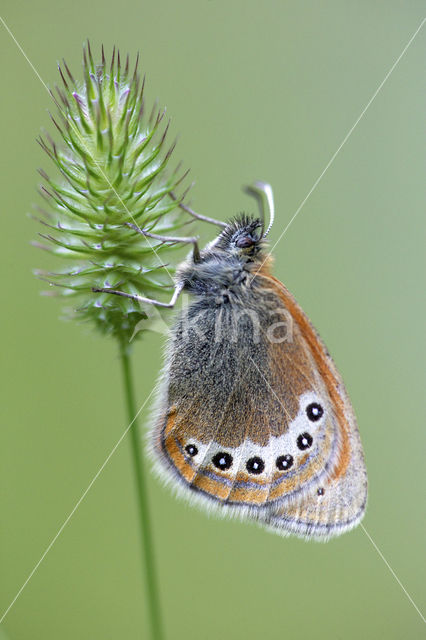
(242, 238)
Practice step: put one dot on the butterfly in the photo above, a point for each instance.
(252, 417)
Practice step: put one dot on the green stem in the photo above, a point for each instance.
(149, 571)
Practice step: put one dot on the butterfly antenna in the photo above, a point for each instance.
(262, 191)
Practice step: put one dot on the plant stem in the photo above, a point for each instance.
(149, 571)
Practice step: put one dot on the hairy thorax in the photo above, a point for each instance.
(221, 278)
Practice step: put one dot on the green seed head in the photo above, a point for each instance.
(110, 172)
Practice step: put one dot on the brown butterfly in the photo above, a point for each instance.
(252, 416)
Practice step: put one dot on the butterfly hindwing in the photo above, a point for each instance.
(336, 506)
(338, 503)
(262, 424)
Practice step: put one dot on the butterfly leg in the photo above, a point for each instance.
(179, 286)
(155, 236)
(157, 303)
(198, 216)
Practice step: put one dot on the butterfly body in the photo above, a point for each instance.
(253, 418)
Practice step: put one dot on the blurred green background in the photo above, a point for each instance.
(256, 91)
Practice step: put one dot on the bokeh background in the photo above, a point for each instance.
(256, 91)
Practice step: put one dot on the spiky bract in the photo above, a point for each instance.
(111, 171)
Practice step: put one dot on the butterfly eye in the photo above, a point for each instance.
(304, 441)
(243, 242)
(191, 449)
(320, 491)
(222, 460)
(284, 462)
(314, 411)
(255, 465)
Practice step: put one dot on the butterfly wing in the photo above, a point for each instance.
(338, 505)
(253, 420)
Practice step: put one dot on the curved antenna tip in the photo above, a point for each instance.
(259, 189)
